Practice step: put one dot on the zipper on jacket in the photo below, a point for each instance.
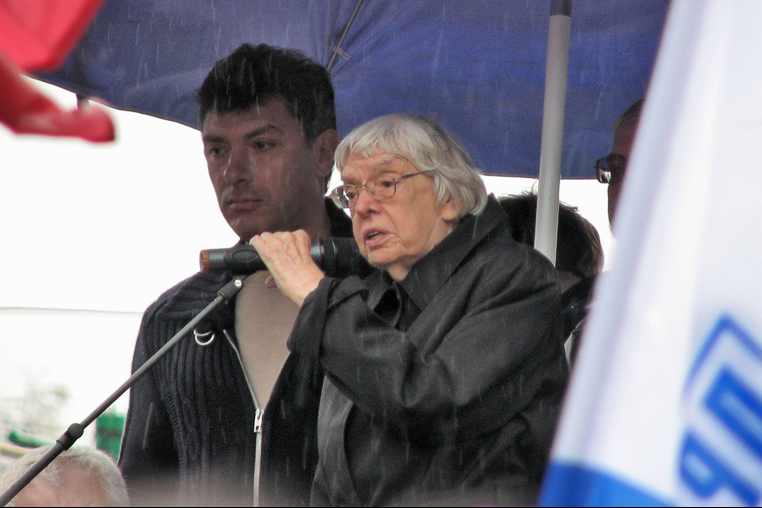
(258, 419)
(258, 454)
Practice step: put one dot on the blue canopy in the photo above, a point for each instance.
(478, 66)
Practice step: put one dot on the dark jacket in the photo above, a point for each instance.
(445, 387)
(190, 433)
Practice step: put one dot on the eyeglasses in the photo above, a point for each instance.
(611, 168)
(380, 188)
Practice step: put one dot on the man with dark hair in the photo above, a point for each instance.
(304, 85)
(579, 258)
(579, 253)
(230, 418)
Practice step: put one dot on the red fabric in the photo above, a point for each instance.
(26, 111)
(39, 34)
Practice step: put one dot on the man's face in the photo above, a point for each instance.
(266, 176)
(623, 139)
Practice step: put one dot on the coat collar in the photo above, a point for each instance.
(427, 276)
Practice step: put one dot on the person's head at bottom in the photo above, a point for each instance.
(77, 477)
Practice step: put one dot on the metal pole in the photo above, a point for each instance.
(337, 50)
(554, 108)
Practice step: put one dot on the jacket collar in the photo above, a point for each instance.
(429, 275)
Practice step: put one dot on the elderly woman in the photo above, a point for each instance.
(445, 368)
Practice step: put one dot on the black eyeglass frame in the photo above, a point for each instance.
(610, 168)
(338, 195)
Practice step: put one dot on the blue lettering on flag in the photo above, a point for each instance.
(704, 472)
(721, 454)
(739, 408)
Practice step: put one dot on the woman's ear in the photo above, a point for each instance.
(323, 149)
(450, 211)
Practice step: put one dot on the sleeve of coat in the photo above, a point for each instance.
(148, 458)
(496, 348)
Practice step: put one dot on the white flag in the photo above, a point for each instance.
(665, 404)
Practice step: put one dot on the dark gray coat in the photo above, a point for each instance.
(445, 387)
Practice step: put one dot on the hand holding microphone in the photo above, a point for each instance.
(337, 257)
(287, 256)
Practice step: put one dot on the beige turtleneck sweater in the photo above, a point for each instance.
(264, 318)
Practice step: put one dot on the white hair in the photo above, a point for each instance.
(97, 462)
(427, 146)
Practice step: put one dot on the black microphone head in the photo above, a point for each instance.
(340, 257)
(337, 257)
(212, 260)
(242, 259)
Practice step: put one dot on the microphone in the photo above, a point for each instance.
(337, 257)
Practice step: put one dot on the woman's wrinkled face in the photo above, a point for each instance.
(396, 233)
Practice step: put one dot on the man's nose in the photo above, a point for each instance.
(239, 167)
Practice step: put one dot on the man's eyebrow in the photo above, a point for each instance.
(213, 138)
(263, 130)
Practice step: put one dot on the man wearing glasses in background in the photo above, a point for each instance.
(611, 169)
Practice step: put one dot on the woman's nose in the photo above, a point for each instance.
(365, 202)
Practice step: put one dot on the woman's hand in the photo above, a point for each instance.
(287, 256)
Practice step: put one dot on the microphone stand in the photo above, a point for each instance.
(75, 430)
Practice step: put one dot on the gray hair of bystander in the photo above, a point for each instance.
(100, 465)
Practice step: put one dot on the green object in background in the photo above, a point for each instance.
(108, 432)
(27, 440)
(109, 428)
